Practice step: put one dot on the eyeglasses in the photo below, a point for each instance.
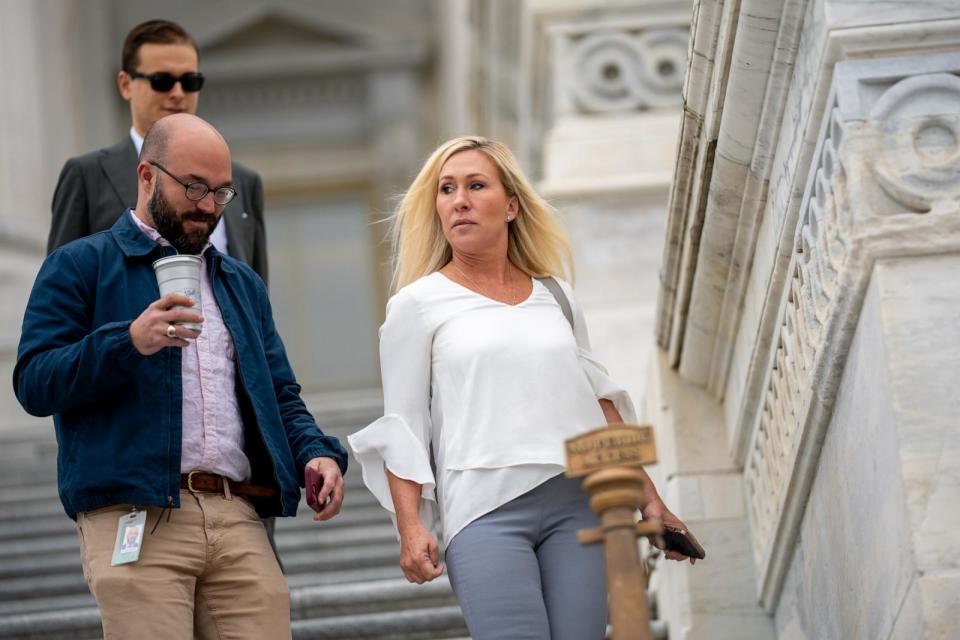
(162, 81)
(197, 191)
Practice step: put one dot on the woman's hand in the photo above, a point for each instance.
(419, 554)
(657, 510)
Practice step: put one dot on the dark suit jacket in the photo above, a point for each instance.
(95, 188)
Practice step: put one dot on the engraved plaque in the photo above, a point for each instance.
(615, 446)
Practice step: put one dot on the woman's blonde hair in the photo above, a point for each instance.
(537, 243)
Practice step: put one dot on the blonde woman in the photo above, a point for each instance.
(483, 379)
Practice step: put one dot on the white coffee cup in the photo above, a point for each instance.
(181, 274)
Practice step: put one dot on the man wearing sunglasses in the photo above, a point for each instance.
(159, 77)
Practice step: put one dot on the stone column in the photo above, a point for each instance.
(454, 62)
(42, 123)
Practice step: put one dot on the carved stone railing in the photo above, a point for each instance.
(885, 182)
(818, 259)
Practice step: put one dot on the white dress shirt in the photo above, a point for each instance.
(492, 389)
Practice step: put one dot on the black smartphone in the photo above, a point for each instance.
(682, 541)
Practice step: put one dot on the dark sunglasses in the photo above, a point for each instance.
(162, 81)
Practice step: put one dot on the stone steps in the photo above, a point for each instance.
(295, 561)
(368, 597)
(362, 509)
(318, 537)
(418, 624)
(343, 574)
(54, 603)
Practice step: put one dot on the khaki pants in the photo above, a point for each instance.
(211, 561)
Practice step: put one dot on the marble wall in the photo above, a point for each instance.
(881, 185)
(828, 35)
(616, 245)
(876, 554)
(820, 140)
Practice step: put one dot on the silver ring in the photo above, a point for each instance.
(171, 331)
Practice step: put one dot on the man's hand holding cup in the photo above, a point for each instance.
(159, 325)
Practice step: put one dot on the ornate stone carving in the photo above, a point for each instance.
(625, 71)
(888, 148)
(819, 254)
(918, 164)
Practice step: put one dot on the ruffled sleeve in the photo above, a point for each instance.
(400, 440)
(603, 386)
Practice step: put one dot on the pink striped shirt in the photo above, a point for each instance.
(212, 426)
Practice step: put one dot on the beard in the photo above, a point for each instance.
(170, 224)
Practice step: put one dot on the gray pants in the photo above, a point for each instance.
(520, 573)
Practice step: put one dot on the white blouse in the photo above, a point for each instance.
(488, 390)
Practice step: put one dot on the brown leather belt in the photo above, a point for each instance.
(201, 482)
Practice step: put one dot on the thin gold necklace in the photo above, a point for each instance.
(474, 282)
(468, 278)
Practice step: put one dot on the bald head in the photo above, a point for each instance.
(175, 129)
(189, 147)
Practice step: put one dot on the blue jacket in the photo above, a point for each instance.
(117, 413)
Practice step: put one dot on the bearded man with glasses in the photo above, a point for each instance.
(159, 76)
(184, 437)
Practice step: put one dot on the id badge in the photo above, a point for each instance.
(129, 537)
